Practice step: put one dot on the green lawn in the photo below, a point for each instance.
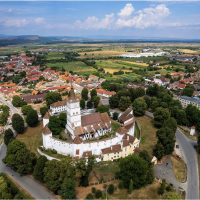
(115, 125)
(55, 55)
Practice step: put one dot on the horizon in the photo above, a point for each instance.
(146, 19)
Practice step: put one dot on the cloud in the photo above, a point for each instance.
(126, 11)
(39, 20)
(145, 18)
(16, 22)
(94, 23)
(10, 10)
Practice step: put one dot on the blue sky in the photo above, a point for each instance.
(173, 19)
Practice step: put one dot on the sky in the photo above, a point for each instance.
(171, 19)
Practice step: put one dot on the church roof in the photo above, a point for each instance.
(46, 130)
(72, 97)
(91, 119)
(79, 131)
(77, 140)
(130, 138)
(58, 104)
(102, 125)
(122, 130)
(108, 124)
(87, 153)
(89, 128)
(96, 126)
(105, 117)
(47, 115)
(126, 115)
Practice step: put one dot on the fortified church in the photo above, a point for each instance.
(85, 131)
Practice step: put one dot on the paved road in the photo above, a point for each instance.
(190, 156)
(30, 185)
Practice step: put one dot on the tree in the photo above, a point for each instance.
(130, 189)
(89, 104)
(41, 78)
(52, 97)
(162, 187)
(124, 103)
(154, 105)
(54, 125)
(82, 103)
(193, 114)
(98, 194)
(26, 108)
(84, 94)
(4, 189)
(96, 101)
(171, 123)
(17, 123)
(16, 101)
(43, 111)
(188, 91)
(163, 105)
(158, 151)
(39, 167)
(32, 118)
(8, 136)
(139, 107)
(135, 168)
(23, 74)
(181, 117)
(111, 189)
(23, 103)
(89, 196)
(115, 115)
(84, 169)
(67, 190)
(166, 136)
(20, 158)
(63, 119)
(145, 156)
(160, 115)
(167, 98)
(103, 109)
(150, 176)
(173, 196)
(93, 93)
(174, 111)
(114, 101)
(147, 100)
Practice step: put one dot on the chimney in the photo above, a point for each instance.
(127, 137)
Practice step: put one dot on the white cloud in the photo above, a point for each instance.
(10, 10)
(126, 11)
(39, 20)
(94, 23)
(16, 22)
(145, 18)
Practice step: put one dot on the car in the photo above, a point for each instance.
(177, 146)
(55, 113)
(178, 156)
(10, 124)
(6, 100)
(195, 146)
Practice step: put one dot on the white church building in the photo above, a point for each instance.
(85, 132)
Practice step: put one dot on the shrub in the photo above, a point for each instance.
(93, 190)
(89, 196)
(98, 194)
(111, 189)
(169, 188)
(117, 174)
(121, 185)
(102, 179)
(53, 151)
(105, 186)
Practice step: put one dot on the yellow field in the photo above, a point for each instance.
(111, 70)
(187, 51)
(143, 64)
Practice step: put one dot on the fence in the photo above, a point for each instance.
(47, 156)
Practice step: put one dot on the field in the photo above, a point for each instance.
(55, 55)
(32, 137)
(148, 139)
(111, 70)
(76, 66)
(187, 51)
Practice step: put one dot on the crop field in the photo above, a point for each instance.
(187, 51)
(55, 55)
(145, 59)
(71, 66)
(130, 76)
(111, 70)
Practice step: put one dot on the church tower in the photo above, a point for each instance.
(73, 113)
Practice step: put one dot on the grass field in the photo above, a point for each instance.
(148, 139)
(71, 66)
(111, 70)
(115, 125)
(187, 51)
(179, 168)
(32, 137)
(145, 59)
(55, 55)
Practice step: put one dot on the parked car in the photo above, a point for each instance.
(195, 146)
(177, 146)
(179, 157)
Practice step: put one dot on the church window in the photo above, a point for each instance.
(73, 113)
(76, 112)
(114, 156)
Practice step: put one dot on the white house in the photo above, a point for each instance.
(60, 106)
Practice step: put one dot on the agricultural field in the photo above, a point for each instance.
(145, 59)
(111, 70)
(187, 51)
(55, 55)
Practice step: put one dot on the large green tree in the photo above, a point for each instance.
(84, 94)
(181, 117)
(158, 151)
(52, 97)
(84, 169)
(16, 101)
(8, 136)
(43, 111)
(39, 167)
(96, 100)
(171, 123)
(89, 104)
(103, 109)
(18, 123)
(114, 101)
(124, 103)
(147, 100)
(63, 119)
(160, 115)
(135, 168)
(82, 103)
(145, 156)
(193, 114)
(139, 107)
(155, 104)
(5, 192)
(188, 91)
(20, 158)
(32, 118)
(93, 93)
(54, 125)
(67, 189)
(26, 108)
